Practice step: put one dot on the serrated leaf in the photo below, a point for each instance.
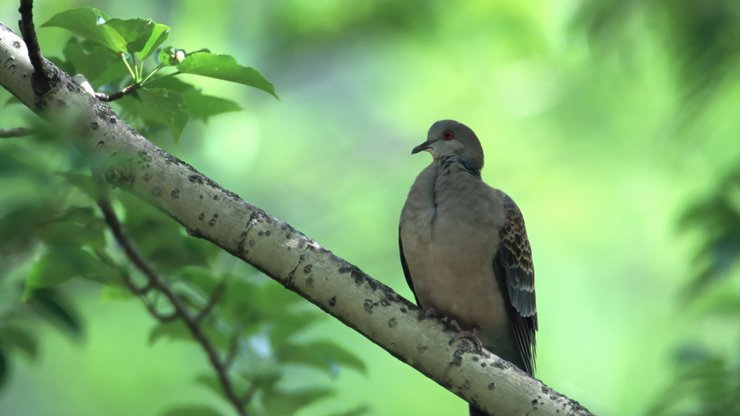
(202, 106)
(165, 107)
(192, 410)
(20, 339)
(226, 68)
(280, 402)
(322, 355)
(135, 32)
(89, 23)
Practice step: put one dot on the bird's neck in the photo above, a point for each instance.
(449, 163)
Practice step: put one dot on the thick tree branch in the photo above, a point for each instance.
(208, 211)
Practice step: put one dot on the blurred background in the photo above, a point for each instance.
(615, 126)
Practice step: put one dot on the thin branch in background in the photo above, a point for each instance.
(129, 89)
(16, 132)
(180, 310)
(28, 31)
(211, 302)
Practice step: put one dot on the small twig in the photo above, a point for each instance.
(16, 132)
(180, 310)
(28, 31)
(215, 296)
(231, 354)
(129, 89)
(249, 394)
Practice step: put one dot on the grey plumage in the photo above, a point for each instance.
(464, 247)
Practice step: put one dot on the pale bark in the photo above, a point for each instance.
(129, 161)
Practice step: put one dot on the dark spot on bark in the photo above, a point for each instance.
(202, 216)
(195, 232)
(344, 269)
(267, 233)
(332, 301)
(403, 310)
(392, 323)
(147, 177)
(156, 192)
(491, 386)
(61, 103)
(175, 193)
(196, 179)
(475, 358)
(309, 281)
(421, 348)
(369, 305)
(112, 120)
(384, 302)
(201, 196)
(307, 268)
(251, 243)
(94, 125)
(213, 220)
(16, 44)
(483, 365)
(215, 197)
(466, 384)
(534, 402)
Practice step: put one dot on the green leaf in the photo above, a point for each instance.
(20, 339)
(159, 34)
(142, 36)
(171, 330)
(89, 23)
(60, 264)
(226, 68)
(98, 64)
(56, 308)
(165, 107)
(202, 107)
(3, 367)
(78, 226)
(135, 32)
(192, 410)
(280, 402)
(325, 356)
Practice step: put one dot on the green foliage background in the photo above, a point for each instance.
(613, 124)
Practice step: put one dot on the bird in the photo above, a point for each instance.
(464, 249)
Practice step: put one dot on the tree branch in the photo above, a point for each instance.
(15, 132)
(127, 160)
(129, 89)
(40, 79)
(180, 310)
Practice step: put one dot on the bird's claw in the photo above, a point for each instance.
(472, 335)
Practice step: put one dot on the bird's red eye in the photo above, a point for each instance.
(448, 135)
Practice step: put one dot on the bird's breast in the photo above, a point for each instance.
(449, 248)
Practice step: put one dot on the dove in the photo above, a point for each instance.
(464, 249)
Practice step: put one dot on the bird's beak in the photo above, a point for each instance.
(423, 146)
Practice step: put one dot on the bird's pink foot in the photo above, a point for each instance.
(472, 335)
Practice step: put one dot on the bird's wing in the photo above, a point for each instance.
(513, 268)
(406, 268)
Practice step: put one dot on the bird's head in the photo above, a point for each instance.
(452, 138)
